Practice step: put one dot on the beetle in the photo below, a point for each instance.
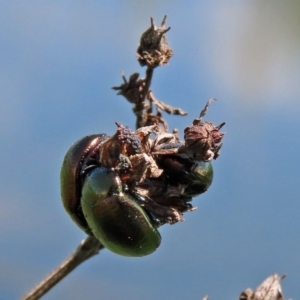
(102, 205)
(99, 204)
(197, 175)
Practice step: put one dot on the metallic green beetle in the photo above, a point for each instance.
(96, 201)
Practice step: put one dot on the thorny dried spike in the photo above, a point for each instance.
(220, 126)
(152, 23)
(163, 22)
(123, 77)
(161, 26)
(205, 109)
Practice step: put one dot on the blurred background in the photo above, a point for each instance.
(59, 60)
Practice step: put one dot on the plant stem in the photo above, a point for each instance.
(86, 249)
(140, 109)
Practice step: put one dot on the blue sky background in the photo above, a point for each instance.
(59, 60)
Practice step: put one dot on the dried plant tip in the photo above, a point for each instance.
(205, 109)
(202, 139)
(269, 289)
(133, 89)
(153, 50)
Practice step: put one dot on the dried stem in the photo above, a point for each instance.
(86, 249)
(149, 75)
(166, 107)
(141, 109)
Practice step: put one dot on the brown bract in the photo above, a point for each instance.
(202, 139)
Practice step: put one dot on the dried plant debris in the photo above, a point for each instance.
(163, 171)
(269, 289)
(131, 89)
(203, 139)
(136, 91)
(154, 50)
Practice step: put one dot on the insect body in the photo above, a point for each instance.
(96, 200)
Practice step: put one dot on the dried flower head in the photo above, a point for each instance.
(203, 139)
(154, 50)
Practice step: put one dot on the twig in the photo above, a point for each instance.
(140, 110)
(148, 79)
(86, 249)
(166, 107)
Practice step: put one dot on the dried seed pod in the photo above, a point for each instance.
(202, 139)
(154, 50)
